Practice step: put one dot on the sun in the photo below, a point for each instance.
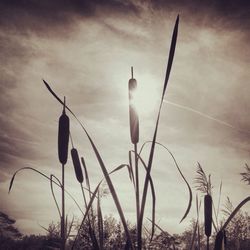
(146, 96)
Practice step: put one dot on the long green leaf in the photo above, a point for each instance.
(151, 156)
(104, 169)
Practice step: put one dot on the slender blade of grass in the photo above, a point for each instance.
(121, 167)
(48, 178)
(171, 55)
(131, 167)
(236, 210)
(218, 208)
(193, 236)
(151, 155)
(86, 173)
(216, 224)
(70, 228)
(163, 231)
(86, 212)
(198, 206)
(182, 175)
(153, 197)
(100, 222)
(53, 194)
(103, 168)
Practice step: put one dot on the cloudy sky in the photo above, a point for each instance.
(85, 49)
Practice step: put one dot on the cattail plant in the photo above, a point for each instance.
(63, 137)
(133, 116)
(134, 135)
(204, 185)
(77, 165)
(220, 240)
(208, 216)
(80, 179)
(63, 143)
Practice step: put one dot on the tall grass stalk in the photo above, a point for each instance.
(102, 166)
(151, 155)
(134, 139)
(63, 142)
(134, 133)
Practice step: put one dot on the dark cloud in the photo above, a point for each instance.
(56, 17)
(219, 14)
(237, 9)
(60, 17)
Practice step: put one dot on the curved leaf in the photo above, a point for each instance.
(151, 155)
(183, 177)
(103, 168)
(53, 194)
(236, 210)
(86, 213)
(153, 196)
(48, 178)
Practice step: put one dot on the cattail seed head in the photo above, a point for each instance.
(220, 241)
(208, 214)
(133, 116)
(77, 165)
(63, 137)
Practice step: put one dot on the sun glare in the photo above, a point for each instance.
(146, 96)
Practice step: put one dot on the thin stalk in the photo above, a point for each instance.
(84, 197)
(91, 225)
(103, 168)
(87, 183)
(137, 192)
(63, 212)
(207, 243)
(86, 204)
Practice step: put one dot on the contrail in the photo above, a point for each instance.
(206, 116)
(12, 138)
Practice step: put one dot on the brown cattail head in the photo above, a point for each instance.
(133, 116)
(63, 136)
(208, 214)
(77, 165)
(220, 241)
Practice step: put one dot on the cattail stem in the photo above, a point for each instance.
(63, 212)
(207, 243)
(85, 201)
(71, 140)
(90, 223)
(84, 197)
(137, 193)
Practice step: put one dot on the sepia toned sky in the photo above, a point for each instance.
(85, 49)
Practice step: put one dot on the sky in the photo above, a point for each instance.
(85, 49)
